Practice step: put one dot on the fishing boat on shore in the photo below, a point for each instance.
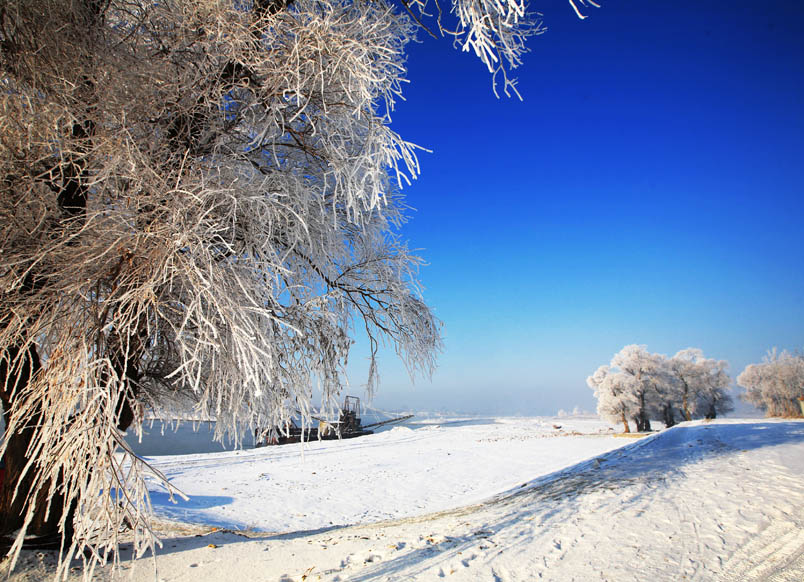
(348, 425)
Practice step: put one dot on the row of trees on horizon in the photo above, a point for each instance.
(638, 385)
(641, 386)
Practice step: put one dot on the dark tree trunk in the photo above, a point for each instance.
(130, 375)
(68, 180)
(15, 373)
(17, 368)
(20, 365)
(685, 406)
(641, 419)
(669, 415)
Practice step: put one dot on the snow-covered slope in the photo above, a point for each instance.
(421, 467)
(719, 501)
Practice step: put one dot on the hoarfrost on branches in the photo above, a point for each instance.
(713, 398)
(685, 368)
(776, 385)
(643, 368)
(578, 4)
(616, 395)
(642, 386)
(200, 207)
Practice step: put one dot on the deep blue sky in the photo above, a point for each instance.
(649, 189)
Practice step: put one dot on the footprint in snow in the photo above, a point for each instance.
(466, 562)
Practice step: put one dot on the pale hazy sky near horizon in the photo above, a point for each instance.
(649, 189)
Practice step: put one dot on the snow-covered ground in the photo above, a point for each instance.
(501, 499)
(420, 467)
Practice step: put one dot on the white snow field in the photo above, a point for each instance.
(421, 467)
(495, 500)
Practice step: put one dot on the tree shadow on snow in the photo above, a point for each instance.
(658, 457)
(191, 510)
(171, 545)
(653, 460)
(222, 537)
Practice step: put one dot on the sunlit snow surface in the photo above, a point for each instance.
(519, 500)
(420, 467)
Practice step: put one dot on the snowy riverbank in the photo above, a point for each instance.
(508, 499)
(422, 467)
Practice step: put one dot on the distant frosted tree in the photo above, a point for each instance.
(652, 386)
(776, 385)
(703, 382)
(669, 390)
(751, 379)
(713, 399)
(616, 395)
(644, 369)
(685, 368)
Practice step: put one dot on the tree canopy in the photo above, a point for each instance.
(200, 207)
(641, 386)
(775, 385)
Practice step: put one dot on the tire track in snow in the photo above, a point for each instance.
(610, 518)
(776, 554)
(640, 486)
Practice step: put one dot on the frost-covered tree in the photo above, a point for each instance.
(776, 385)
(668, 391)
(683, 387)
(616, 395)
(703, 384)
(713, 399)
(644, 368)
(686, 370)
(200, 206)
